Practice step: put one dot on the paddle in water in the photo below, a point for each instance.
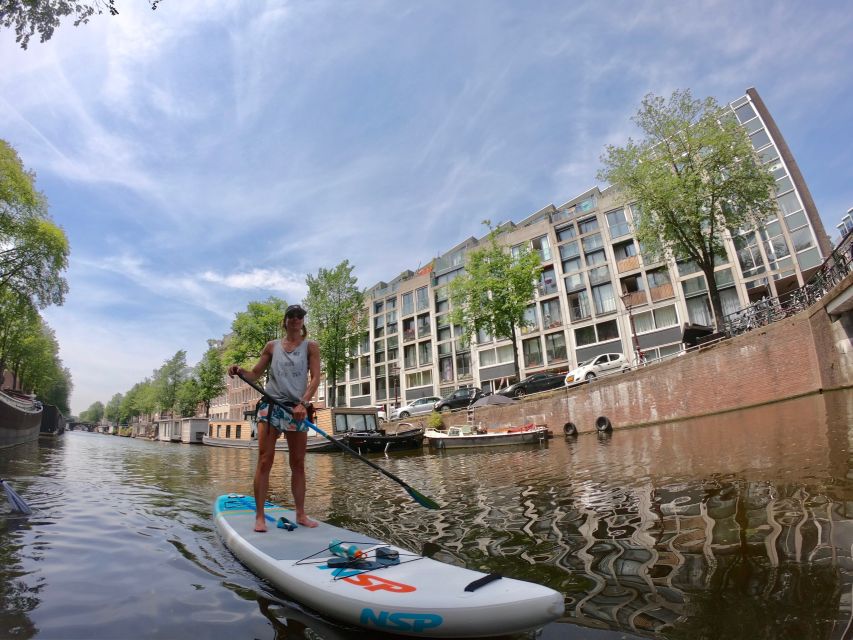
(420, 498)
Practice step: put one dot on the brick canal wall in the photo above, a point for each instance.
(805, 354)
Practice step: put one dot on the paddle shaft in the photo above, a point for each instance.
(420, 498)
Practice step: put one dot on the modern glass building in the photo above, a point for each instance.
(594, 284)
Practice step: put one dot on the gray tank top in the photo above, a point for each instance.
(288, 377)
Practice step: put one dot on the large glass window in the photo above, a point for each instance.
(423, 325)
(574, 282)
(579, 308)
(408, 304)
(408, 329)
(618, 223)
(424, 353)
(572, 264)
(422, 298)
(551, 316)
(599, 274)
(410, 356)
(555, 347)
(566, 233)
(760, 139)
(531, 322)
(569, 250)
(463, 365)
(602, 296)
(591, 243)
(542, 246)
(745, 112)
(445, 369)
(595, 258)
(532, 351)
(588, 226)
(547, 282)
(788, 203)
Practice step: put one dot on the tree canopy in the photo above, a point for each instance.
(694, 177)
(495, 291)
(336, 319)
(252, 329)
(210, 374)
(43, 16)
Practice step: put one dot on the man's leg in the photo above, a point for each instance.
(266, 455)
(297, 442)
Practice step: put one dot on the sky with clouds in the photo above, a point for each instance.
(209, 153)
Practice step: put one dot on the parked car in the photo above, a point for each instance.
(536, 382)
(414, 408)
(600, 365)
(459, 399)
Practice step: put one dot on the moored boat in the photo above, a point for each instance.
(471, 436)
(20, 418)
(52, 423)
(406, 437)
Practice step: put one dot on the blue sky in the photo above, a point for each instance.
(211, 153)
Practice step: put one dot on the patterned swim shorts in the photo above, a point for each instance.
(278, 418)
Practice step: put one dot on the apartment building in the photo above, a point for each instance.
(597, 293)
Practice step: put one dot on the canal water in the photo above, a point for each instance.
(734, 526)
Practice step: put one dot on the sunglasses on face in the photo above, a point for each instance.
(291, 316)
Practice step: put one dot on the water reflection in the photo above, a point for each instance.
(735, 526)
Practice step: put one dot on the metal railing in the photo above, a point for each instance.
(767, 310)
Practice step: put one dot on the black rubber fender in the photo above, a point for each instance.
(570, 429)
(602, 424)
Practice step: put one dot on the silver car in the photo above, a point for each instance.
(601, 365)
(414, 408)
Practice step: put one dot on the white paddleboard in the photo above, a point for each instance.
(409, 594)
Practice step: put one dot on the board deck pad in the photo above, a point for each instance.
(413, 595)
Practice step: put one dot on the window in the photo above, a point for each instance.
(408, 305)
(378, 326)
(422, 298)
(483, 337)
(391, 322)
(391, 303)
(365, 367)
(442, 307)
(594, 258)
(359, 389)
(748, 254)
(573, 264)
(591, 243)
(445, 369)
(579, 306)
(745, 112)
(788, 203)
(409, 356)
(760, 139)
(408, 329)
(542, 246)
(444, 334)
(425, 353)
(588, 226)
(625, 250)
(378, 306)
(658, 278)
(699, 310)
(566, 233)
(618, 223)
(802, 239)
(547, 282)
(633, 284)
(418, 379)
(574, 282)
(555, 347)
(354, 421)
(795, 220)
(603, 298)
(655, 319)
(601, 332)
(494, 356)
(569, 250)
(423, 325)
(694, 286)
(463, 365)
(599, 274)
(531, 321)
(551, 316)
(532, 352)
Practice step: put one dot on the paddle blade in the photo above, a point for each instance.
(17, 502)
(421, 499)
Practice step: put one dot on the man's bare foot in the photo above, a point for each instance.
(260, 525)
(305, 521)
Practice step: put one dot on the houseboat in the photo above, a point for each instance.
(20, 418)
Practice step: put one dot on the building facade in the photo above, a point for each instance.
(596, 294)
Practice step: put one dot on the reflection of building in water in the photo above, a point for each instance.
(672, 558)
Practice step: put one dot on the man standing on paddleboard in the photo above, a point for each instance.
(294, 375)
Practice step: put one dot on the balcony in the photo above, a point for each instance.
(662, 292)
(634, 299)
(628, 264)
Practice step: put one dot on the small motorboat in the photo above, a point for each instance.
(478, 436)
(406, 437)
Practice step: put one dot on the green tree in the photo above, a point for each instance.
(43, 16)
(211, 377)
(94, 413)
(694, 176)
(33, 250)
(168, 378)
(252, 329)
(336, 320)
(495, 291)
(187, 397)
(112, 411)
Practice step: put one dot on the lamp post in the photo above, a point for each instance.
(626, 301)
(395, 371)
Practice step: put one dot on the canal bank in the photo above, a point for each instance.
(805, 354)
